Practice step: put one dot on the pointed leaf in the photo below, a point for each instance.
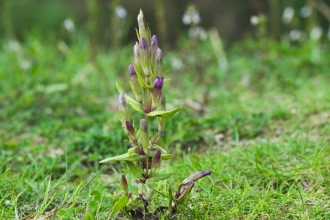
(157, 147)
(126, 157)
(137, 106)
(135, 170)
(122, 201)
(165, 114)
(166, 156)
(143, 83)
(119, 88)
(159, 176)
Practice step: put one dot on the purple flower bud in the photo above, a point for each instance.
(158, 85)
(130, 128)
(135, 83)
(196, 176)
(131, 71)
(143, 44)
(123, 183)
(122, 103)
(154, 45)
(158, 62)
(159, 56)
(144, 134)
(136, 53)
(156, 159)
(183, 195)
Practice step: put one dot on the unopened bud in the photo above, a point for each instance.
(161, 124)
(158, 62)
(157, 90)
(144, 53)
(156, 159)
(136, 53)
(123, 183)
(123, 108)
(144, 134)
(183, 195)
(135, 83)
(130, 128)
(196, 176)
(162, 102)
(154, 45)
(143, 27)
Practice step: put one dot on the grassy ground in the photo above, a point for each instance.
(261, 126)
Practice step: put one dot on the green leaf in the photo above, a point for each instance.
(162, 156)
(166, 156)
(93, 205)
(157, 147)
(159, 176)
(89, 216)
(143, 83)
(62, 213)
(119, 88)
(125, 156)
(135, 170)
(122, 201)
(97, 195)
(136, 105)
(165, 114)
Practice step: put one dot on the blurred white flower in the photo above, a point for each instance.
(316, 33)
(176, 63)
(186, 19)
(195, 17)
(223, 62)
(121, 11)
(329, 33)
(69, 25)
(254, 20)
(305, 11)
(191, 17)
(13, 46)
(25, 65)
(197, 32)
(288, 14)
(294, 35)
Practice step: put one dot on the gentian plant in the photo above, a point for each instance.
(144, 156)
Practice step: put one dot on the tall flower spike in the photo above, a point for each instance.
(135, 83)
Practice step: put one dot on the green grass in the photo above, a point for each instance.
(261, 126)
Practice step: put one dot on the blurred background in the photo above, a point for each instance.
(111, 22)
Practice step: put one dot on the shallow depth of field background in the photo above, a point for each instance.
(253, 77)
